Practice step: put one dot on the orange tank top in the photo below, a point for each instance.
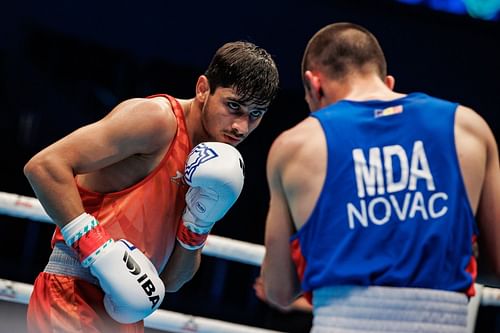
(147, 213)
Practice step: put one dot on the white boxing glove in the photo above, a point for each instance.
(215, 172)
(132, 287)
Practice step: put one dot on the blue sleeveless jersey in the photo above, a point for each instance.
(393, 210)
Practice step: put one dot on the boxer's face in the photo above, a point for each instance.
(225, 118)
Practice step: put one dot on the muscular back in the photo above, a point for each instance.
(304, 162)
(305, 171)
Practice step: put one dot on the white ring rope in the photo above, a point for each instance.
(163, 320)
(23, 207)
(175, 322)
(30, 208)
(220, 247)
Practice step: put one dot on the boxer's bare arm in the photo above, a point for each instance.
(488, 213)
(281, 283)
(300, 304)
(134, 127)
(181, 267)
(478, 154)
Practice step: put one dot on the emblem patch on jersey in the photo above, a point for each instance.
(199, 155)
(392, 110)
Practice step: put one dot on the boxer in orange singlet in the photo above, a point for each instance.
(117, 187)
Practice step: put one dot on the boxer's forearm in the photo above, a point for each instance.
(54, 185)
(180, 268)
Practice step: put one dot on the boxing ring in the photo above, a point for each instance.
(252, 254)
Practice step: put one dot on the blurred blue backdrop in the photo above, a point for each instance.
(480, 9)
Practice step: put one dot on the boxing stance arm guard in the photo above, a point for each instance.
(132, 287)
(215, 173)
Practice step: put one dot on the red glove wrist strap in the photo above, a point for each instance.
(189, 237)
(90, 242)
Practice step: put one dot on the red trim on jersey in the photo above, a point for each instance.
(300, 264)
(472, 269)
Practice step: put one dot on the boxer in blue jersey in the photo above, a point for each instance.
(378, 198)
